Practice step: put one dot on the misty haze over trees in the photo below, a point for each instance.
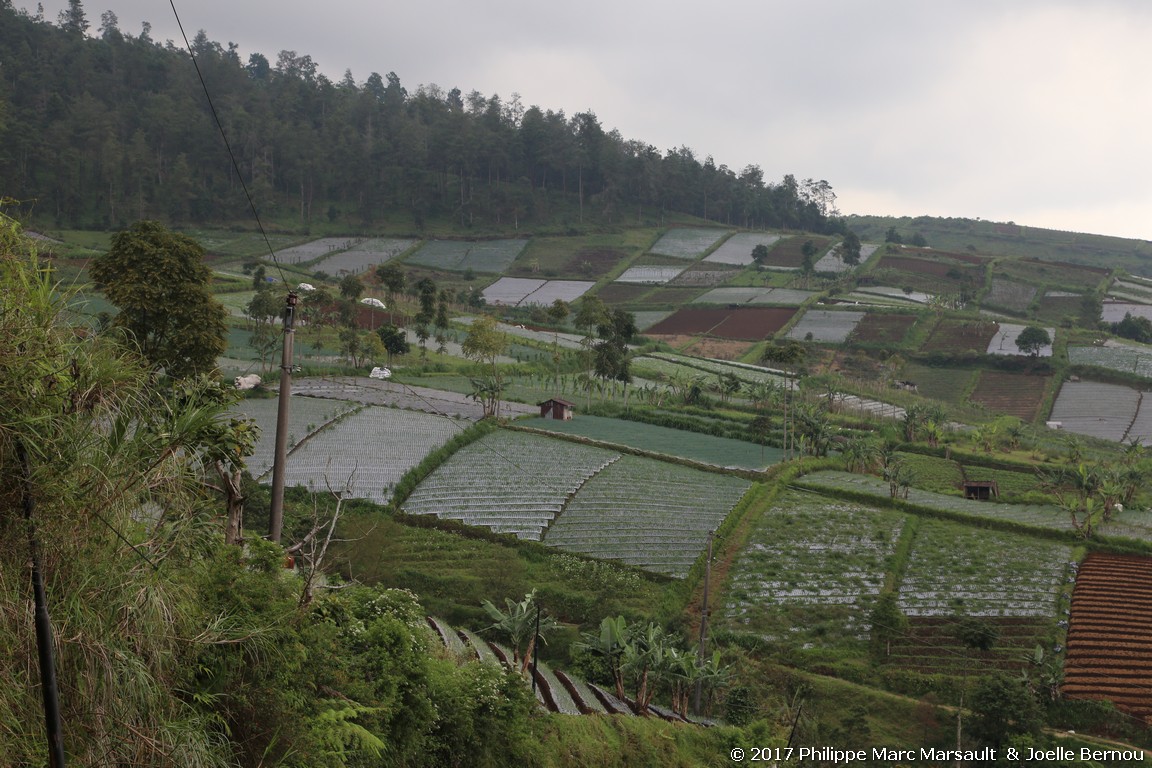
(101, 131)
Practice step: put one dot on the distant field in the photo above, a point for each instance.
(1010, 295)
(1101, 410)
(1004, 342)
(1053, 274)
(739, 324)
(946, 384)
(589, 257)
(364, 255)
(738, 248)
(461, 255)
(829, 326)
(956, 336)
(720, 451)
(1013, 394)
(649, 275)
(687, 243)
(324, 246)
(882, 328)
(753, 295)
(789, 253)
(1115, 355)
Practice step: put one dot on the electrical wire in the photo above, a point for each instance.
(227, 144)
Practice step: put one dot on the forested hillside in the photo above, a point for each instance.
(101, 131)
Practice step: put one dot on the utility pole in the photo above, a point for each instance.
(703, 623)
(276, 513)
(44, 642)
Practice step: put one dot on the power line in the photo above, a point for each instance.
(227, 144)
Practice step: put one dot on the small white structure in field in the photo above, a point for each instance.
(305, 287)
(248, 382)
(380, 373)
(373, 302)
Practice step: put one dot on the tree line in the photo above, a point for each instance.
(101, 127)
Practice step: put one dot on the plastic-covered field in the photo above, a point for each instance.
(753, 295)
(826, 325)
(306, 415)
(299, 254)
(367, 452)
(461, 255)
(1004, 342)
(649, 275)
(511, 482)
(522, 291)
(646, 513)
(738, 248)
(364, 255)
(1097, 409)
(687, 243)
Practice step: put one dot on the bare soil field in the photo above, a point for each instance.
(1015, 394)
(882, 328)
(956, 336)
(1110, 633)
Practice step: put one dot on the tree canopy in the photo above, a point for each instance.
(101, 131)
(158, 281)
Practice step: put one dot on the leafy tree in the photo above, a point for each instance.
(394, 339)
(1003, 707)
(1137, 328)
(1032, 339)
(485, 343)
(351, 287)
(893, 236)
(159, 282)
(615, 330)
(850, 248)
(392, 278)
(760, 254)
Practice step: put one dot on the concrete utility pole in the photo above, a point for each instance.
(276, 518)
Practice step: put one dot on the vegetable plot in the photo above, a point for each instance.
(646, 513)
(511, 482)
(305, 416)
(687, 243)
(368, 452)
(956, 569)
(811, 570)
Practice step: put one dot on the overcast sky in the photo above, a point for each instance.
(1030, 111)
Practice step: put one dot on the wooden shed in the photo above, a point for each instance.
(981, 490)
(557, 409)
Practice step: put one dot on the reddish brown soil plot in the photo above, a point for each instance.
(622, 293)
(926, 267)
(789, 252)
(880, 328)
(1110, 633)
(1015, 394)
(961, 335)
(745, 324)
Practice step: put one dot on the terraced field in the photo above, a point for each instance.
(646, 513)
(305, 416)
(1110, 633)
(719, 451)
(811, 570)
(510, 482)
(367, 452)
(1013, 394)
